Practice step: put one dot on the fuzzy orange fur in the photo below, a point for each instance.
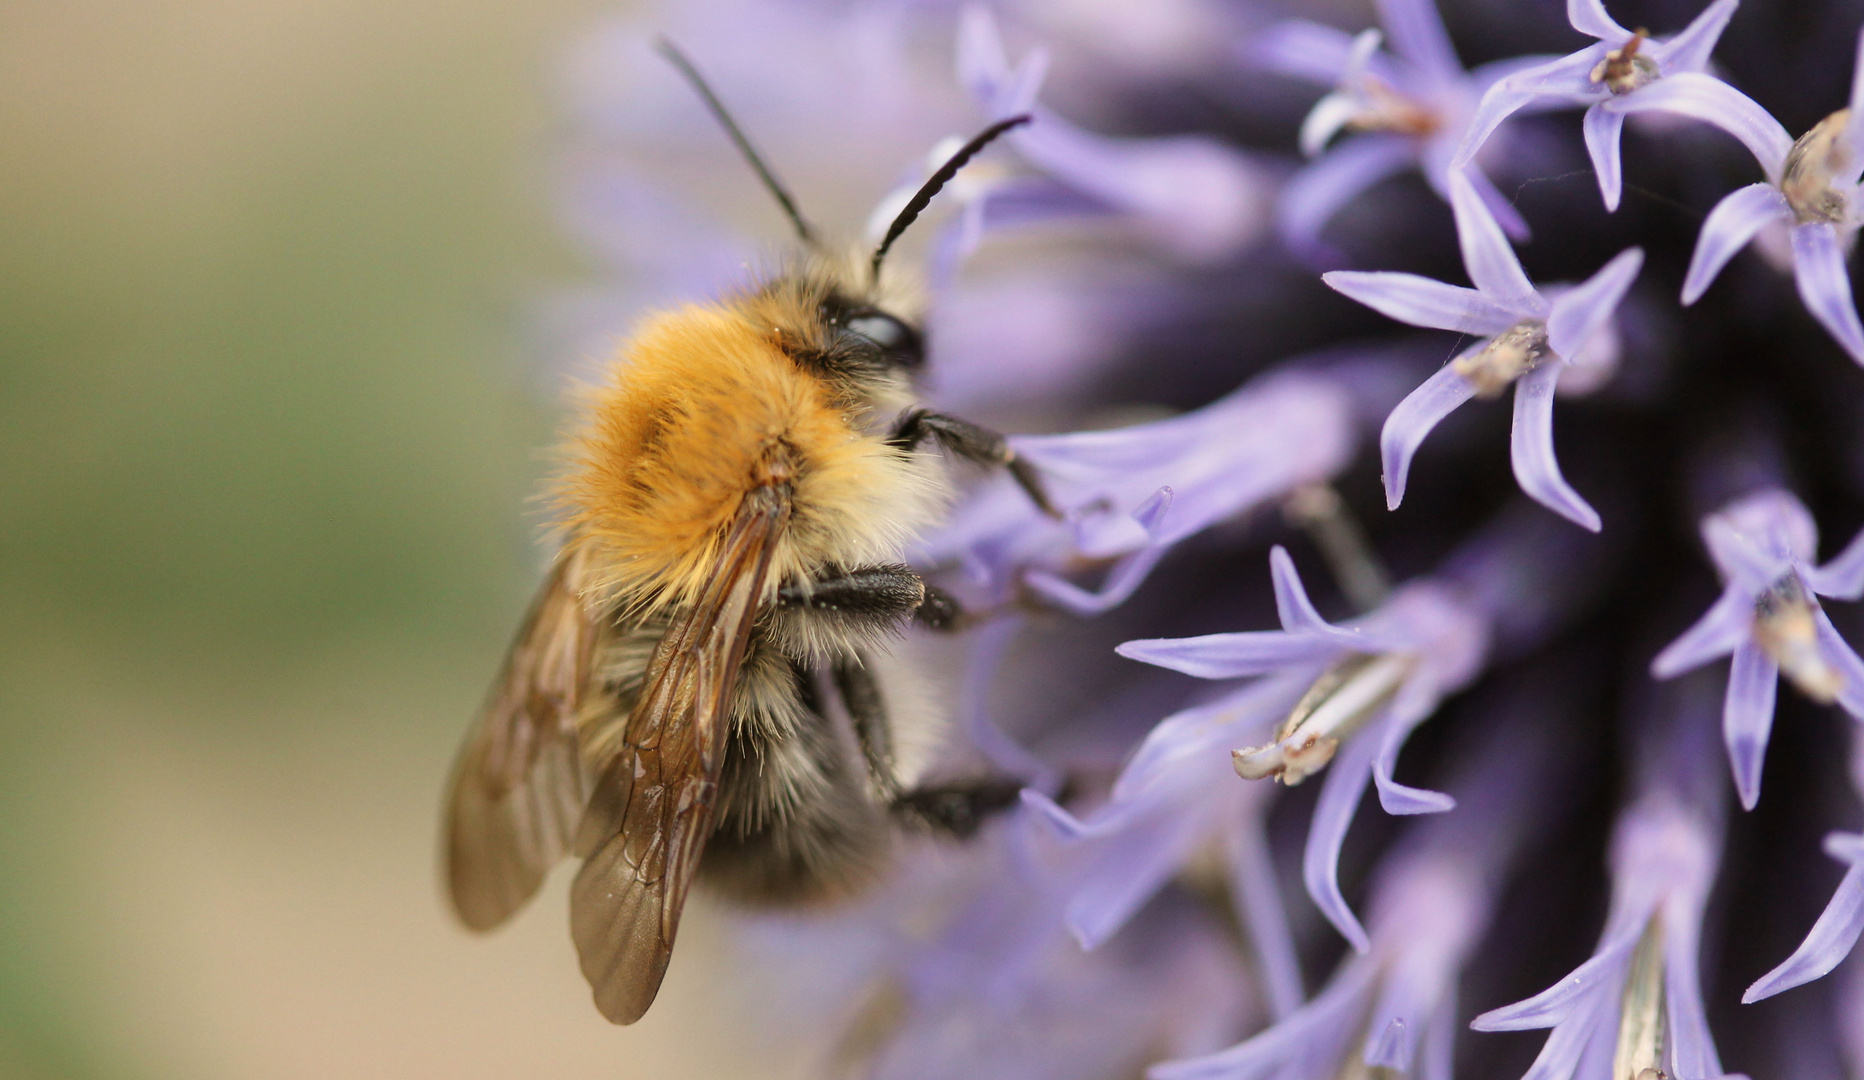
(694, 404)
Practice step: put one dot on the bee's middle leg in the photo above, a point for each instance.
(872, 599)
(956, 808)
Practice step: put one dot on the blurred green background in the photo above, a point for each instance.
(270, 422)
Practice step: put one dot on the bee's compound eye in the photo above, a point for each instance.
(900, 342)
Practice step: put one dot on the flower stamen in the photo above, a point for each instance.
(1641, 1017)
(1817, 159)
(1508, 355)
(1786, 629)
(1385, 109)
(1350, 692)
(1625, 69)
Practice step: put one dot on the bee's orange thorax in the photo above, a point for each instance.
(675, 438)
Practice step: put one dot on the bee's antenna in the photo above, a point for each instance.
(923, 197)
(671, 51)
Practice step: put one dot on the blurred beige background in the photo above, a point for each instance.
(269, 427)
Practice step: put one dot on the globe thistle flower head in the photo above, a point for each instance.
(1193, 734)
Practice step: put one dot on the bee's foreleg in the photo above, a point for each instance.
(867, 707)
(972, 443)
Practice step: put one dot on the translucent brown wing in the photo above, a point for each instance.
(518, 787)
(651, 810)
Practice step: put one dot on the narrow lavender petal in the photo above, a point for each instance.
(1256, 891)
(1739, 556)
(1302, 49)
(1422, 301)
(1413, 419)
(1231, 656)
(1326, 832)
(1312, 196)
(1563, 80)
(1747, 717)
(1712, 101)
(1838, 653)
(1329, 116)
(1335, 1011)
(1856, 104)
(1440, 1041)
(1692, 1048)
(1417, 34)
(1690, 49)
(1722, 629)
(1728, 228)
(1581, 311)
(1145, 858)
(1554, 1005)
(1489, 259)
(1832, 938)
(1394, 797)
(1120, 584)
(1825, 285)
(1603, 127)
(1576, 1043)
(1500, 207)
(1843, 577)
(1531, 449)
(1011, 758)
(1498, 103)
(1297, 612)
(1590, 17)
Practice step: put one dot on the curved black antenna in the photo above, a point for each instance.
(666, 48)
(923, 197)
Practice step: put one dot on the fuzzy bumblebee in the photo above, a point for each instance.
(736, 511)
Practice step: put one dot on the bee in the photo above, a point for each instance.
(734, 511)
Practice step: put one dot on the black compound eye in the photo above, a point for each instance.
(899, 342)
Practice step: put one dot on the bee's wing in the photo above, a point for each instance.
(650, 811)
(518, 787)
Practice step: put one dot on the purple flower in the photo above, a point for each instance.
(1637, 1002)
(1195, 196)
(1811, 193)
(1368, 685)
(1131, 493)
(1625, 72)
(1529, 340)
(1176, 795)
(1768, 617)
(1836, 932)
(1394, 1007)
(1410, 109)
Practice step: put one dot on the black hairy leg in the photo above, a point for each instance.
(867, 707)
(972, 443)
(872, 597)
(958, 808)
(955, 809)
